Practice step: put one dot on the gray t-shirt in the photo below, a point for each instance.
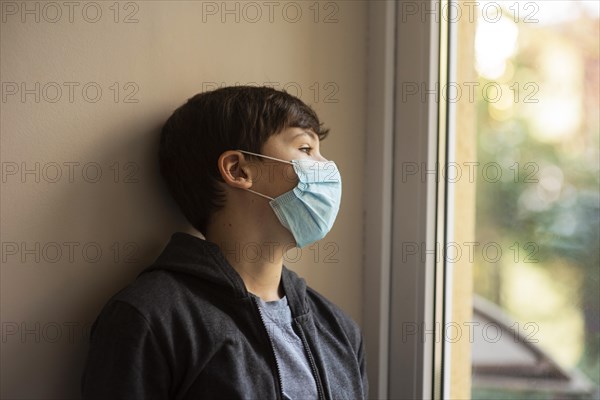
(296, 375)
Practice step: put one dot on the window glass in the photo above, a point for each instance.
(536, 264)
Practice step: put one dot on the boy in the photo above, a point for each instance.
(221, 317)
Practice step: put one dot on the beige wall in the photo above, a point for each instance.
(174, 50)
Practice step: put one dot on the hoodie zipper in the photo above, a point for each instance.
(313, 365)
(272, 349)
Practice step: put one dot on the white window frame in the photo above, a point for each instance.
(405, 294)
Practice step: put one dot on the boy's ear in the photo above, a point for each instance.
(235, 169)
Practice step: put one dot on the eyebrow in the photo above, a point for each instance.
(307, 133)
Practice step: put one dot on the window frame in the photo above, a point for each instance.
(405, 297)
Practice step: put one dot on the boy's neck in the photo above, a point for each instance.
(258, 262)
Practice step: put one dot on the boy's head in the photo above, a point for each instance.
(210, 123)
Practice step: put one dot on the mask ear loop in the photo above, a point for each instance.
(260, 194)
(262, 155)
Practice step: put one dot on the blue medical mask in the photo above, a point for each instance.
(308, 211)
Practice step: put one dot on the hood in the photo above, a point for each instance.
(188, 254)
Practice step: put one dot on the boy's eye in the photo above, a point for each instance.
(306, 149)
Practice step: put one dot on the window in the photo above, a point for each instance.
(482, 221)
(536, 247)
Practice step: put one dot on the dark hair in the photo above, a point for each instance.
(209, 123)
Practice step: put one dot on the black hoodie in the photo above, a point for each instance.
(187, 328)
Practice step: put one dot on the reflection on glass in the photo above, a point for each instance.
(538, 204)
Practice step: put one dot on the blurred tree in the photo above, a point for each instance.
(548, 195)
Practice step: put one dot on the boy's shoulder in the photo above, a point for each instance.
(154, 295)
(148, 288)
